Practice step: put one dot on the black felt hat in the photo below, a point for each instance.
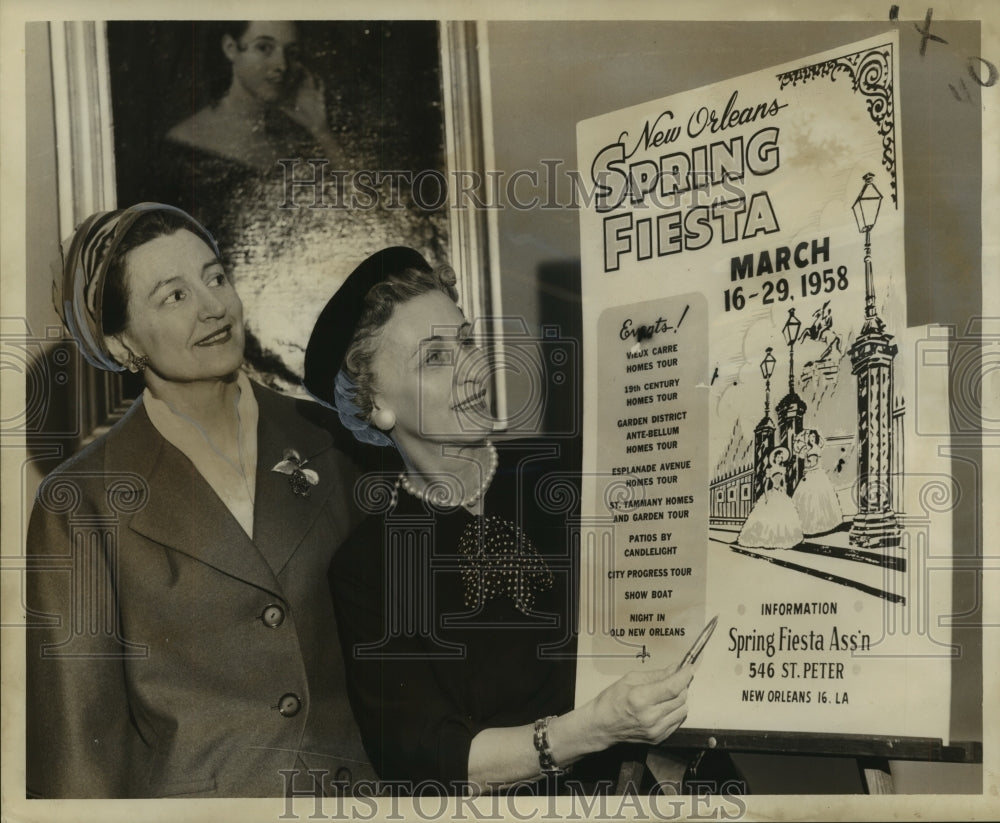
(335, 327)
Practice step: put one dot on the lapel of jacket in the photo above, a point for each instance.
(281, 517)
(183, 512)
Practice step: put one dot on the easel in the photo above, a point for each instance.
(872, 753)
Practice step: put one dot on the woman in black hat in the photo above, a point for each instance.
(180, 645)
(454, 599)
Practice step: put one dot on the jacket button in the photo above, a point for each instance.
(289, 705)
(273, 616)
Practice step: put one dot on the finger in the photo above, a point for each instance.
(308, 78)
(650, 721)
(637, 678)
(655, 726)
(687, 672)
(666, 687)
(671, 723)
(642, 689)
(654, 713)
(315, 83)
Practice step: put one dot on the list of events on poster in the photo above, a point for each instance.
(650, 367)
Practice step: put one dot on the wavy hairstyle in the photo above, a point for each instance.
(356, 382)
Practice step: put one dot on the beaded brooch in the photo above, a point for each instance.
(498, 558)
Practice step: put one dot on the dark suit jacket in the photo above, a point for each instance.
(175, 656)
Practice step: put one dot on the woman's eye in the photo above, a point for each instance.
(267, 49)
(217, 279)
(437, 357)
(465, 337)
(174, 297)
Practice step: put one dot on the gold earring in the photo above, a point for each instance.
(383, 419)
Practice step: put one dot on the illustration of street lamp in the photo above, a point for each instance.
(763, 433)
(791, 410)
(791, 333)
(865, 210)
(872, 355)
(767, 369)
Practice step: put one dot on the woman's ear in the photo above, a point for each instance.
(383, 419)
(229, 47)
(120, 351)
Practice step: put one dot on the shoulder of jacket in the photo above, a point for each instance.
(91, 460)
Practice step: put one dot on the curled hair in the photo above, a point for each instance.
(356, 383)
(344, 392)
(234, 28)
(218, 69)
(778, 456)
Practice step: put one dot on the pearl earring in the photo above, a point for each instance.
(383, 419)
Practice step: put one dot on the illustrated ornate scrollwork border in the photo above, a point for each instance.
(871, 75)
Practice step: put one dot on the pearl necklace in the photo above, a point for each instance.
(404, 481)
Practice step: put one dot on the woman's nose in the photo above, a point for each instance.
(279, 60)
(468, 357)
(473, 367)
(210, 304)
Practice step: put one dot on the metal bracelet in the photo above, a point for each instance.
(545, 760)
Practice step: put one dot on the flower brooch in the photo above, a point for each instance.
(301, 480)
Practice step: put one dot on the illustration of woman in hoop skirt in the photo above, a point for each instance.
(815, 498)
(773, 523)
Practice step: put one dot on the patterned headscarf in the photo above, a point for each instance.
(78, 287)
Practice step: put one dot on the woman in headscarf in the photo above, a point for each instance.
(182, 616)
(455, 598)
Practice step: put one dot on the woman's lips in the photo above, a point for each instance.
(216, 338)
(472, 400)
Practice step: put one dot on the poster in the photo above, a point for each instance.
(753, 447)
